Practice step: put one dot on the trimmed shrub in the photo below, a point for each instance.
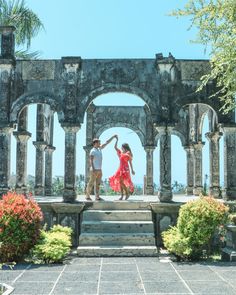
(197, 223)
(20, 219)
(53, 245)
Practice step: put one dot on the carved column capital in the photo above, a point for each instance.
(149, 148)
(189, 148)
(198, 145)
(6, 129)
(214, 136)
(40, 145)
(71, 129)
(22, 136)
(87, 148)
(50, 149)
(229, 129)
(162, 130)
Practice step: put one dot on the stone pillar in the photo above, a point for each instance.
(48, 169)
(21, 160)
(214, 148)
(87, 149)
(165, 194)
(198, 168)
(190, 169)
(230, 162)
(149, 188)
(39, 167)
(70, 163)
(7, 42)
(5, 158)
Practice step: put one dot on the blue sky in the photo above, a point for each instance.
(114, 29)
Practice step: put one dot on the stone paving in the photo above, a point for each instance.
(127, 276)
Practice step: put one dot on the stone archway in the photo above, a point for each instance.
(136, 118)
(70, 84)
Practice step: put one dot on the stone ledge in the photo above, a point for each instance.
(62, 207)
(165, 207)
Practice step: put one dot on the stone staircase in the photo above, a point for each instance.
(115, 232)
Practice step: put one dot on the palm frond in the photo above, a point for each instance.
(27, 23)
(25, 54)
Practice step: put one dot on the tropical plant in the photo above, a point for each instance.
(16, 13)
(20, 219)
(53, 245)
(216, 24)
(197, 223)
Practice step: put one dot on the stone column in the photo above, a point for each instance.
(87, 149)
(39, 167)
(198, 168)
(149, 188)
(21, 160)
(165, 194)
(214, 148)
(48, 169)
(7, 42)
(190, 169)
(230, 162)
(5, 158)
(70, 163)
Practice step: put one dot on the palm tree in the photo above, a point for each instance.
(16, 13)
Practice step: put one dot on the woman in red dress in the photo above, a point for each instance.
(121, 180)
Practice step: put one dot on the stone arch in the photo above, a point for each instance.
(112, 88)
(212, 116)
(180, 135)
(176, 132)
(125, 125)
(36, 98)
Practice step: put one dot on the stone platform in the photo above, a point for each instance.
(114, 228)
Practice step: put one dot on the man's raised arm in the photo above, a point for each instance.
(107, 142)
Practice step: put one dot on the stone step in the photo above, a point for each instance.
(117, 227)
(96, 215)
(117, 251)
(119, 205)
(117, 239)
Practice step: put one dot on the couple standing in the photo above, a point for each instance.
(121, 180)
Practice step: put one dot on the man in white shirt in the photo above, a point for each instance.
(96, 167)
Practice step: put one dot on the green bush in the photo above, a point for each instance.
(53, 245)
(197, 223)
(20, 219)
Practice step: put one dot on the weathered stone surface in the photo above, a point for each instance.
(38, 70)
(116, 233)
(68, 87)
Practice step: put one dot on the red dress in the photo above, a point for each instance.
(122, 173)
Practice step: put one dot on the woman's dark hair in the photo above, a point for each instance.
(127, 148)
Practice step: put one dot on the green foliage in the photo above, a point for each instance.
(53, 245)
(216, 24)
(20, 219)
(198, 221)
(27, 23)
(178, 188)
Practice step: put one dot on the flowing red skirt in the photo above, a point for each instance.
(123, 174)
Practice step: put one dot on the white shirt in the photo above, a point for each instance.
(97, 158)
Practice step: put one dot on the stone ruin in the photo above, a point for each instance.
(69, 85)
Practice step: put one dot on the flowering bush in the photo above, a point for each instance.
(197, 223)
(20, 219)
